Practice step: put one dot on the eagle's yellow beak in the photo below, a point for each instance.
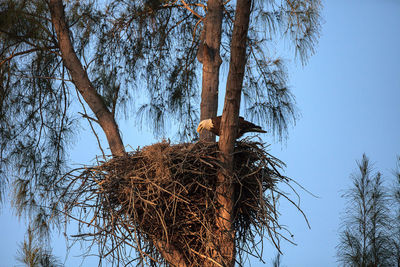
(200, 127)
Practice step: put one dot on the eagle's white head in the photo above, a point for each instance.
(205, 124)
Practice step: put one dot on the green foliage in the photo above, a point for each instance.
(297, 20)
(119, 45)
(35, 124)
(141, 58)
(152, 46)
(163, 58)
(366, 235)
(267, 96)
(396, 215)
(32, 253)
(277, 260)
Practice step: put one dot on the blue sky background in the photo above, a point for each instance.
(349, 96)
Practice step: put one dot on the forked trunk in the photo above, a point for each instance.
(229, 127)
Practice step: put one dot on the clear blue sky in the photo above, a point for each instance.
(349, 96)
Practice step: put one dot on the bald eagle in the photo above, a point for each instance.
(213, 125)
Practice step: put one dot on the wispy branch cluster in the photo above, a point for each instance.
(166, 193)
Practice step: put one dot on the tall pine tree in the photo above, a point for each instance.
(57, 55)
(365, 232)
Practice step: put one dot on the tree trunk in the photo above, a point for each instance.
(81, 80)
(97, 105)
(208, 54)
(170, 254)
(229, 127)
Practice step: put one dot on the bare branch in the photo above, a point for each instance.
(191, 10)
(22, 53)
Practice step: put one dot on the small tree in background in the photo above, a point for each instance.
(277, 260)
(396, 215)
(365, 238)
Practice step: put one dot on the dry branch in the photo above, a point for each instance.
(167, 193)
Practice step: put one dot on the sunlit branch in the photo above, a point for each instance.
(191, 10)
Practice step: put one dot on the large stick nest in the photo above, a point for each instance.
(167, 193)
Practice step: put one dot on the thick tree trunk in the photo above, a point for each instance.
(229, 127)
(170, 254)
(81, 80)
(209, 55)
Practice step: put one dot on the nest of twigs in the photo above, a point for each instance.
(167, 193)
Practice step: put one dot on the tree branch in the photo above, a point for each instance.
(81, 79)
(93, 99)
(191, 10)
(23, 53)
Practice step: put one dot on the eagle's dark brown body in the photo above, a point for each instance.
(213, 125)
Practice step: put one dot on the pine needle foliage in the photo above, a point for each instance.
(267, 95)
(365, 236)
(32, 253)
(396, 215)
(140, 57)
(277, 262)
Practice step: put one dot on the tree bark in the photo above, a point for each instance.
(170, 254)
(209, 55)
(229, 128)
(81, 80)
(93, 99)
